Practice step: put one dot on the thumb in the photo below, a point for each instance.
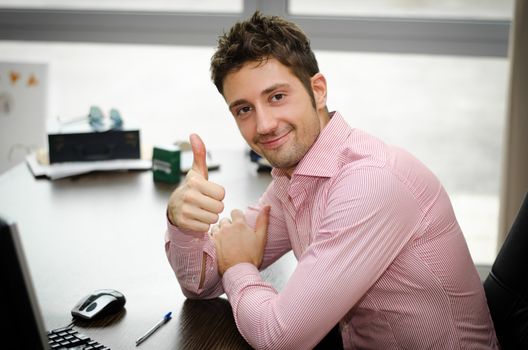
(261, 225)
(199, 154)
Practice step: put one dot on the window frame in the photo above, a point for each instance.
(436, 36)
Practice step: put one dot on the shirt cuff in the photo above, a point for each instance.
(174, 234)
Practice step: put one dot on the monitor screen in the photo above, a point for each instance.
(23, 322)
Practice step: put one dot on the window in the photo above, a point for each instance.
(471, 9)
(229, 6)
(448, 111)
(430, 76)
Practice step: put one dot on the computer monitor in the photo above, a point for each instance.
(24, 323)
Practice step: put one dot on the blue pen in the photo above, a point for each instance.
(165, 319)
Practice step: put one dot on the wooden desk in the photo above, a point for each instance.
(106, 230)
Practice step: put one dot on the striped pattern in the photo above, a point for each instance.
(379, 251)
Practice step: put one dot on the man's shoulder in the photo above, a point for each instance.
(362, 149)
(364, 153)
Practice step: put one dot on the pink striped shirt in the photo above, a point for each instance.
(379, 251)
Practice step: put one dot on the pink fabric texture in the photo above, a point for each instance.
(379, 251)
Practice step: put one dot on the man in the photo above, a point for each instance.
(378, 246)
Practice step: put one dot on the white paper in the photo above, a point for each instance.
(62, 170)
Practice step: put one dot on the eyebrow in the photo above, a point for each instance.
(264, 92)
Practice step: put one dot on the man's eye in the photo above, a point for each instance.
(243, 110)
(277, 97)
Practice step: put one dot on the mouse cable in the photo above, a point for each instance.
(70, 325)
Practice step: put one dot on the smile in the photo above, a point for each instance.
(275, 142)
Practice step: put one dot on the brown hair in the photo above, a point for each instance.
(258, 39)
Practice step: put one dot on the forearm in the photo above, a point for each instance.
(316, 297)
(193, 258)
(269, 320)
(356, 242)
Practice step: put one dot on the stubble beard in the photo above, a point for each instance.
(289, 155)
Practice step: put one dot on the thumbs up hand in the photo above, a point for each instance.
(197, 202)
(236, 242)
(199, 156)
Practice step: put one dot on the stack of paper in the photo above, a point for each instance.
(40, 167)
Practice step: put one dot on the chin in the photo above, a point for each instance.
(282, 164)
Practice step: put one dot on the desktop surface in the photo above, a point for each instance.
(106, 230)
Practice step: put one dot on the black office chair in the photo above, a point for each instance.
(506, 286)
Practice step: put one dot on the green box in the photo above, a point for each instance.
(166, 164)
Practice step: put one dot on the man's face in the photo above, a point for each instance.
(274, 112)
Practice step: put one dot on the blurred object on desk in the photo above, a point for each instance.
(40, 166)
(38, 163)
(186, 156)
(262, 163)
(92, 138)
(166, 164)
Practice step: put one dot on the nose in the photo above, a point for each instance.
(266, 122)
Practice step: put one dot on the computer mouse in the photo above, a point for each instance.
(99, 303)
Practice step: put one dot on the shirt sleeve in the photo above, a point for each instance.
(188, 251)
(369, 218)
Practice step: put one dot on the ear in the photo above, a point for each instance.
(319, 90)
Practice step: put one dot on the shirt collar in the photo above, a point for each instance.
(321, 160)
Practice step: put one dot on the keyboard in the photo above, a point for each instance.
(71, 339)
